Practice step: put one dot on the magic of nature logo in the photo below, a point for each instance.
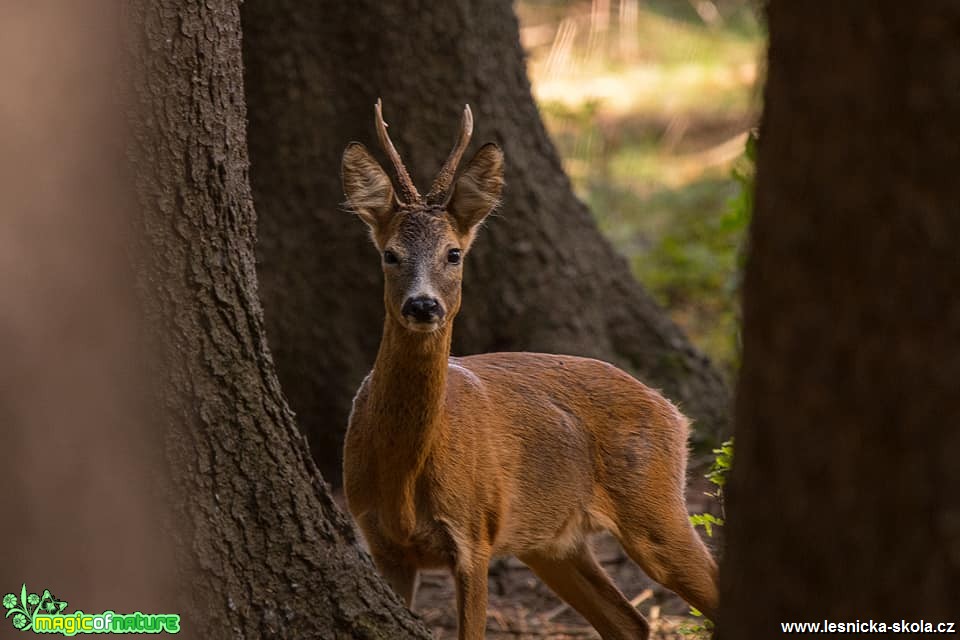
(44, 613)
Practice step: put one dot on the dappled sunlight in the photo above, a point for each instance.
(652, 88)
(650, 104)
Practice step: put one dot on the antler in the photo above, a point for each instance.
(407, 188)
(441, 185)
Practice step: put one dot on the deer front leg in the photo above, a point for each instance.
(471, 579)
(400, 574)
(393, 562)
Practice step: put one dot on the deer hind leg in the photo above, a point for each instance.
(585, 586)
(668, 549)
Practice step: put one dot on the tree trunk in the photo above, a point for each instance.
(540, 278)
(260, 544)
(844, 501)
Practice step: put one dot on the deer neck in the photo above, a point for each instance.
(410, 377)
(407, 393)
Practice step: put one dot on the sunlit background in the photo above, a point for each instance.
(650, 103)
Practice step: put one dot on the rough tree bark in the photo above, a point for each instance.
(843, 502)
(541, 277)
(263, 551)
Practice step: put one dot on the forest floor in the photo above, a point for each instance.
(521, 607)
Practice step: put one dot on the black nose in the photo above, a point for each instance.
(423, 309)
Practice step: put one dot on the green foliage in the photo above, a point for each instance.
(740, 208)
(648, 135)
(697, 631)
(717, 475)
(695, 265)
(706, 520)
(722, 463)
(737, 220)
(686, 244)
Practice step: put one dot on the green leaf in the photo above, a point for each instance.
(751, 148)
(704, 520)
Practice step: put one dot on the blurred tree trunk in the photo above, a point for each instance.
(844, 501)
(262, 550)
(76, 459)
(541, 277)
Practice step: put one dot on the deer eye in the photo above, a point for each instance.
(389, 257)
(453, 256)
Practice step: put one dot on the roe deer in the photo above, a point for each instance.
(450, 461)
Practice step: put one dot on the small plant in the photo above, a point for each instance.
(697, 631)
(717, 475)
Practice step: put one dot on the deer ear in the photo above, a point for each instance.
(367, 186)
(477, 191)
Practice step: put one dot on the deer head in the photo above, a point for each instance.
(423, 240)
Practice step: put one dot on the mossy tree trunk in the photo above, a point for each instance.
(541, 276)
(844, 501)
(261, 549)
